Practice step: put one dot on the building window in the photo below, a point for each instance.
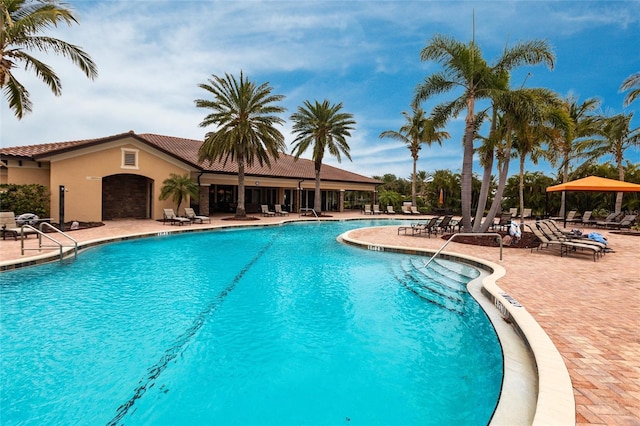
(129, 159)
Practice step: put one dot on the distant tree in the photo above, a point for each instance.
(631, 83)
(21, 25)
(244, 114)
(417, 130)
(179, 188)
(616, 137)
(583, 125)
(324, 127)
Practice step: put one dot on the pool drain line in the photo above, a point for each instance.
(172, 352)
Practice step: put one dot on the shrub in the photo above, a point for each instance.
(21, 199)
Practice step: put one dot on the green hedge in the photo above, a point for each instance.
(21, 199)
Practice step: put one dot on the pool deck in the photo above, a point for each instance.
(590, 310)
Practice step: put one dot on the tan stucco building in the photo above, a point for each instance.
(121, 176)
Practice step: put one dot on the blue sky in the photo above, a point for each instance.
(153, 54)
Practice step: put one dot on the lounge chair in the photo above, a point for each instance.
(564, 246)
(626, 222)
(513, 211)
(193, 217)
(611, 221)
(376, 209)
(526, 213)
(11, 228)
(279, 210)
(586, 219)
(414, 210)
(170, 216)
(420, 228)
(503, 223)
(571, 217)
(553, 231)
(390, 210)
(367, 209)
(406, 208)
(266, 211)
(445, 224)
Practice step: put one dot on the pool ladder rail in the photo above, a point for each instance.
(465, 234)
(55, 243)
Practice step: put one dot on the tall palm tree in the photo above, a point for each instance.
(466, 69)
(631, 83)
(179, 188)
(21, 24)
(583, 124)
(417, 130)
(243, 113)
(616, 138)
(545, 124)
(326, 128)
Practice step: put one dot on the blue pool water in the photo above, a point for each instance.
(261, 326)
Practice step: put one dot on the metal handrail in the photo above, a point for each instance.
(41, 234)
(466, 234)
(307, 209)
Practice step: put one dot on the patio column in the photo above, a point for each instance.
(341, 201)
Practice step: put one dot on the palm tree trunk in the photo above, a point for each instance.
(496, 205)
(240, 209)
(565, 179)
(619, 194)
(467, 165)
(484, 193)
(521, 188)
(317, 199)
(414, 177)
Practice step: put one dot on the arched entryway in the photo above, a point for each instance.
(126, 196)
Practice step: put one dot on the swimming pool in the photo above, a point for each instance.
(268, 325)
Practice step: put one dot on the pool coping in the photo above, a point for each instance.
(554, 401)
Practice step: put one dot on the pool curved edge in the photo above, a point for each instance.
(554, 402)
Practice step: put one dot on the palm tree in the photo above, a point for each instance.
(631, 83)
(178, 188)
(616, 138)
(417, 130)
(21, 22)
(243, 113)
(545, 123)
(583, 124)
(326, 128)
(465, 68)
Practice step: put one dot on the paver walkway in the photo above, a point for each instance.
(589, 309)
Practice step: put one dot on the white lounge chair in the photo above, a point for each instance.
(192, 216)
(11, 228)
(170, 216)
(279, 210)
(266, 211)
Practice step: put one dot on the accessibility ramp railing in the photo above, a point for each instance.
(466, 234)
(54, 242)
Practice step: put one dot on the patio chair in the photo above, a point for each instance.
(11, 228)
(587, 220)
(193, 217)
(266, 212)
(376, 209)
(279, 210)
(503, 223)
(367, 209)
(526, 213)
(390, 210)
(414, 210)
(406, 208)
(564, 246)
(169, 215)
(445, 224)
(513, 211)
(553, 231)
(626, 222)
(612, 219)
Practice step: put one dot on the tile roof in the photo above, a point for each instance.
(186, 150)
